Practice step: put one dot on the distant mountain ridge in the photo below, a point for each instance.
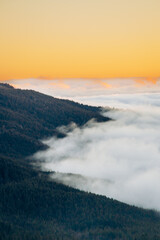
(32, 206)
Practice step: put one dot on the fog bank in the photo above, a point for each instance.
(119, 159)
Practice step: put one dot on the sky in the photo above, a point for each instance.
(58, 39)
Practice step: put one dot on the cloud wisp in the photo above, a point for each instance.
(119, 159)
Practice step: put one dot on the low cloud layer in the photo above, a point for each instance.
(87, 90)
(119, 159)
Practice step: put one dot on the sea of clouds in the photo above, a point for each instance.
(119, 159)
(86, 90)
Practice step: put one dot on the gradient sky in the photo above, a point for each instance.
(54, 39)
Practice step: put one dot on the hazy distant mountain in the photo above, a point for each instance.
(32, 206)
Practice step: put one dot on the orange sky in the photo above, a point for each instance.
(79, 38)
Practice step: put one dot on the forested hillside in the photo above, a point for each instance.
(27, 116)
(32, 206)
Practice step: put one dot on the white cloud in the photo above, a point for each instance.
(119, 159)
(88, 90)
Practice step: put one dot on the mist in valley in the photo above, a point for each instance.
(119, 159)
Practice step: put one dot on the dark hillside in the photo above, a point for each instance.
(33, 206)
(27, 116)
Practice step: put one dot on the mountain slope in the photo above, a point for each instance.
(27, 116)
(34, 207)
